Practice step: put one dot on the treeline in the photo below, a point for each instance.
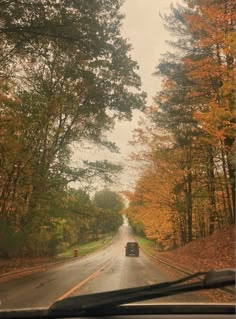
(77, 220)
(187, 186)
(65, 76)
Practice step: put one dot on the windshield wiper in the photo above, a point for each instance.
(93, 302)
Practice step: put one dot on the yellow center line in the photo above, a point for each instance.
(92, 276)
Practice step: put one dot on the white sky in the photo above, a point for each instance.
(144, 29)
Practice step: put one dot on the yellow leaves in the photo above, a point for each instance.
(229, 43)
(213, 74)
(169, 85)
(227, 88)
(198, 92)
(152, 201)
(217, 122)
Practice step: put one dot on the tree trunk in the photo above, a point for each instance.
(227, 190)
(231, 169)
(211, 189)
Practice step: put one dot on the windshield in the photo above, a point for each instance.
(116, 147)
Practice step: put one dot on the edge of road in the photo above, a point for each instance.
(51, 264)
(178, 269)
(181, 270)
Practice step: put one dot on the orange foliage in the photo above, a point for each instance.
(214, 72)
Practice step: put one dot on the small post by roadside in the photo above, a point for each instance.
(75, 252)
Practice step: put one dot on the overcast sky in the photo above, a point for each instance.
(144, 29)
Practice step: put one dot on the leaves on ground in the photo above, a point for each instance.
(213, 252)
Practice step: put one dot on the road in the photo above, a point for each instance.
(105, 270)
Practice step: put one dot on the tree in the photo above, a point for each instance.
(216, 78)
(205, 31)
(186, 188)
(71, 77)
(108, 200)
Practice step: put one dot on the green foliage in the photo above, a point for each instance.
(66, 76)
(87, 248)
(137, 227)
(78, 201)
(107, 199)
(11, 241)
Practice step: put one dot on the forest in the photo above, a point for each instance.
(186, 187)
(66, 76)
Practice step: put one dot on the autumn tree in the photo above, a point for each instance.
(204, 79)
(70, 76)
(194, 109)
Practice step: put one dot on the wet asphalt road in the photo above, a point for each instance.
(106, 270)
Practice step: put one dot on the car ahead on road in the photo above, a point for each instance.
(132, 249)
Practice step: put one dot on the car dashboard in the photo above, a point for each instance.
(131, 311)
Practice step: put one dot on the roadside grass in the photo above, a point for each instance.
(147, 244)
(18, 264)
(87, 248)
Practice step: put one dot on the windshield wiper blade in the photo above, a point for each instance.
(91, 302)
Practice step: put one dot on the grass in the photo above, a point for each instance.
(87, 248)
(147, 244)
